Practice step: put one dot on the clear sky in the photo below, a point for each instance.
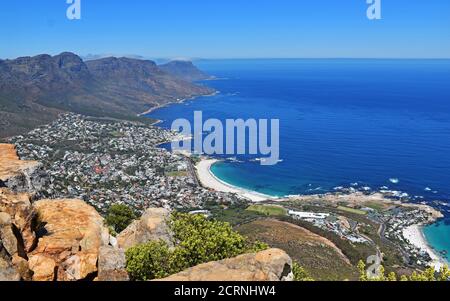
(227, 28)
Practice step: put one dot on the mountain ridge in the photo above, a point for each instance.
(184, 70)
(35, 90)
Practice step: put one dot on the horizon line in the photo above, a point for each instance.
(187, 58)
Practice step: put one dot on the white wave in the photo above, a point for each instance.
(394, 180)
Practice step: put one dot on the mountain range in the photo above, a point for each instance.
(35, 90)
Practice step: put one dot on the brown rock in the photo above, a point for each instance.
(7, 236)
(78, 266)
(74, 233)
(43, 267)
(18, 206)
(18, 175)
(269, 265)
(151, 226)
(112, 265)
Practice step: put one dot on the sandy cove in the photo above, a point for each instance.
(416, 237)
(209, 180)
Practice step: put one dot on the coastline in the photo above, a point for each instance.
(175, 102)
(414, 233)
(209, 180)
(416, 237)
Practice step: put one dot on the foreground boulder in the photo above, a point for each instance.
(151, 226)
(71, 234)
(19, 175)
(269, 265)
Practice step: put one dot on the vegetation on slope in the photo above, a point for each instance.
(197, 240)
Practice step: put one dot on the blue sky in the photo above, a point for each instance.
(227, 28)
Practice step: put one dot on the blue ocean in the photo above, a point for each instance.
(341, 122)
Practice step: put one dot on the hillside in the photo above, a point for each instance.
(34, 90)
(322, 259)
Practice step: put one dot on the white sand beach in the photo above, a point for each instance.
(208, 180)
(415, 236)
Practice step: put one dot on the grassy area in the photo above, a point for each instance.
(177, 174)
(235, 215)
(352, 210)
(379, 206)
(271, 210)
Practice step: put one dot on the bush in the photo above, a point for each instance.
(300, 274)
(200, 240)
(149, 261)
(197, 240)
(428, 275)
(119, 217)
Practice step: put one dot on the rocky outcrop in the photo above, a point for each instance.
(15, 235)
(8, 246)
(269, 265)
(19, 175)
(71, 234)
(112, 265)
(151, 226)
(18, 207)
(7, 236)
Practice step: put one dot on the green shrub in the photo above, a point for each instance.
(119, 217)
(300, 274)
(149, 261)
(197, 240)
(428, 275)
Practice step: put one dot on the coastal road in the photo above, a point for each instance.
(191, 171)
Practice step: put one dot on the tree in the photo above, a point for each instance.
(119, 217)
(444, 274)
(300, 274)
(362, 271)
(404, 278)
(392, 277)
(428, 275)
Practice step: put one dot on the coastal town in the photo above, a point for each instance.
(105, 162)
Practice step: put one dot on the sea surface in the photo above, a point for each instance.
(383, 124)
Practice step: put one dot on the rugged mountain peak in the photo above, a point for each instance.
(184, 70)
